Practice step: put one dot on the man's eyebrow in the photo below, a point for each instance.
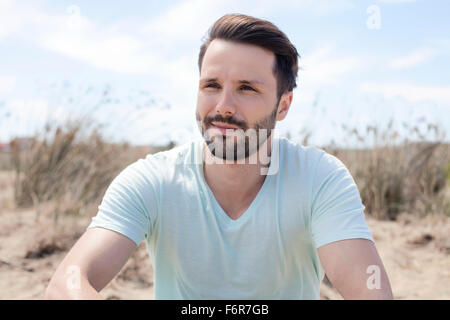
(239, 81)
(208, 80)
(251, 82)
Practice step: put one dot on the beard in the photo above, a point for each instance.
(237, 144)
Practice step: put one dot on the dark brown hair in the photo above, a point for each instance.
(245, 29)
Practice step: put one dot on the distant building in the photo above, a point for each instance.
(5, 147)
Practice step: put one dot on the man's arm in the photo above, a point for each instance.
(90, 265)
(355, 269)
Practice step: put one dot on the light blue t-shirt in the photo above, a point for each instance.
(308, 199)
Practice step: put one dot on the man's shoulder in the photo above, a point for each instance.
(157, 164)
(308, 159)
(306, 155)
(175, 155)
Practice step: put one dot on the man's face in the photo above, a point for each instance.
(237, 96)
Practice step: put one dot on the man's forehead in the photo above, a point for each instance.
(237, 61)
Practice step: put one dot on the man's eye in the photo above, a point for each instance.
(211, 85)
(247, 88)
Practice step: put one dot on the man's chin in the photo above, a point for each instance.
(230, 153)
(235, 147)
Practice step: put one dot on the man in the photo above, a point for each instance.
(239, 214)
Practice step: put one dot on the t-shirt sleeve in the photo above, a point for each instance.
(130, 203)
(337, 212)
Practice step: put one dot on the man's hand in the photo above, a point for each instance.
(355, 269)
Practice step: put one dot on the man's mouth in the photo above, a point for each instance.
(223, 127)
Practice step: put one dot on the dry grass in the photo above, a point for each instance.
(399, 175)
(67, 169)
(71, 166)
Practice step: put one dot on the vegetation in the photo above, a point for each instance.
(400, 175)
(68, 168)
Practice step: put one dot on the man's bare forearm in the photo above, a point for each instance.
(384, 293)
(68, 291)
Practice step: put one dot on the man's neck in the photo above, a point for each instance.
(235, 181)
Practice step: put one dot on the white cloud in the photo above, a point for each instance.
(396, 1)
(410, 93)
(7, 84)
(324, 65)
(149, 48)
(414, 58)
(8, 17)
(186, 21)
(101, 46)
(314, 7)
(18, 20)
(120, 53)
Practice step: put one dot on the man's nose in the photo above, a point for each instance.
(226, 106)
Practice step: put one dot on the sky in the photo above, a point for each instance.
(131, 66)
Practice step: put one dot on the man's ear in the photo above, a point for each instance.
(283, 106)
